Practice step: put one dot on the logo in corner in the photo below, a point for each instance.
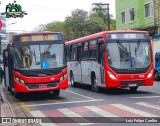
(14, 11)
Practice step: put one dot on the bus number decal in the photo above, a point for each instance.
(24, 38)
(113, 36)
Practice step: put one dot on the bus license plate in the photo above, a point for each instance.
(132, 85)
(42, 86)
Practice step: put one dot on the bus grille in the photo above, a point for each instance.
(126, 83)
(36, 86)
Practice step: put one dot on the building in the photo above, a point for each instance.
(4, 40)
(138, 14)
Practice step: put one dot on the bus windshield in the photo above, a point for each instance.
(157, 57)
(128, 54)
(1, 59)
(42, 56)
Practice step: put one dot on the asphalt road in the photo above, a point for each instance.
(81, 102)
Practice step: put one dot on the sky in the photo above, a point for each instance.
(46, 11)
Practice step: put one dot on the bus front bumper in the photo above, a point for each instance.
(40, 87)
(129, 83)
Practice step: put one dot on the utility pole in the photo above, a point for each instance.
(103, 7)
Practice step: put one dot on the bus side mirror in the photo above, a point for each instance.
(103, 47)
(101, 41)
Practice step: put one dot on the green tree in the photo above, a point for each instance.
(75, 24)
(80, 24)
(103, 16)
(55, 26)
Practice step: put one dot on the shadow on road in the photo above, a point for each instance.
(112, 91)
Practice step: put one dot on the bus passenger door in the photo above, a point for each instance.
(100, 58)
(79, 50)
(6, 68)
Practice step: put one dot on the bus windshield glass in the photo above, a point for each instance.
(128, 54)
(157, 57)
(42, 56)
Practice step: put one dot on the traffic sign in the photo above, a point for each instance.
(0, 24)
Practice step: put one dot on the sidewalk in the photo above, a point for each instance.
(6, 108)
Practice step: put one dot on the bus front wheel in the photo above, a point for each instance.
(16, 95)
(95, 87)
(133, 89)
(56, 93)
(156, 76)
(72, 80)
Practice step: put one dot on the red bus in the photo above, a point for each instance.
(35, 62)
(111, 59)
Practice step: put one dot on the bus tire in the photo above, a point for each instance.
(156, 76)
(9, 89)
(56, 93)
(133, 89)
(72, 79)
(95, 87)
(16, 95)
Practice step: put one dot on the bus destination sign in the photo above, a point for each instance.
(46, 37)
(126, 36)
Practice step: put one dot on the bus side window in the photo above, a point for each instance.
(93, 49)
(73, 52)
(100, 54)
(79, 53)
(85, 50)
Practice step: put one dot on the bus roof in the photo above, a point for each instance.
(42, 32)
(100, 34)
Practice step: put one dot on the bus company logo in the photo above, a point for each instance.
(52, 78)
(14, 11)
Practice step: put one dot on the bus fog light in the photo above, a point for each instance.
(150, 74)
(111, 75)
(61, 79)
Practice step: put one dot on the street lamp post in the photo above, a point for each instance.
(103, 7)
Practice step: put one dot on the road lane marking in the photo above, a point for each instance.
(54, 101)
(132, 110)
(34, 105)
(100, 111)
(70, 113)
(104, 113)
(149, 105)
(80, 95)
(40, 114)
(25, 108)
(144, 97)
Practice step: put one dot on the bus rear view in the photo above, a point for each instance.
(129, 61)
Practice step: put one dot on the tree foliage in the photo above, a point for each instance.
(80, 24)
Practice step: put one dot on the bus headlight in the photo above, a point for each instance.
(111, 75)
(65, 76)
(61, 79)
(19, 80)
(150, 74)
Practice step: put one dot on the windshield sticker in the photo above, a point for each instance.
(45, 65)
